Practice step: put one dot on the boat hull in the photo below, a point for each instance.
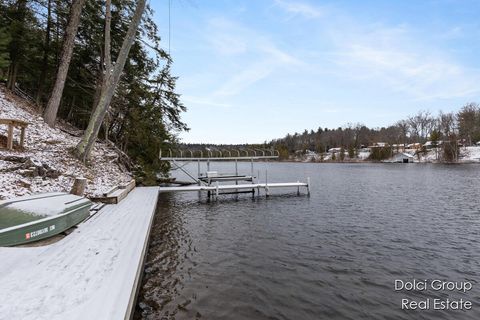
(45, 227)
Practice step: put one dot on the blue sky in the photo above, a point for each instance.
(250, 71)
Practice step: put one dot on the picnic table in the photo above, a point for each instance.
(14, 123)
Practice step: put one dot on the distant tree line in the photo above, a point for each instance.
(450, 128)
(97, 65)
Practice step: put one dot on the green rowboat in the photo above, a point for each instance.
(31, 218)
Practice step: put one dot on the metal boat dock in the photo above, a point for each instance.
(92, 273)
(210, 182)
(219, 189)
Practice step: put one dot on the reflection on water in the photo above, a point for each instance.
(169, 262)
(334, 255)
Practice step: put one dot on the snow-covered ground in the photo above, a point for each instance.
(48, 150)
(363, 155)
(91, 274)
(470, 154)
(466, 155)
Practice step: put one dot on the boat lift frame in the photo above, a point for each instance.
(217, 155)
(249, 155)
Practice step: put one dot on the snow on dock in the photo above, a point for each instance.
(91, 274)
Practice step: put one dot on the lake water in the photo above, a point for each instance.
(333, 255)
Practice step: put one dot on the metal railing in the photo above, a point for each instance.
(217, 154)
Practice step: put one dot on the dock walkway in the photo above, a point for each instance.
(91, 274)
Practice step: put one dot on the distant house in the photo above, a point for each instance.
(402, 157)
(334, 150)
(379, 145)
(431, 144)
(398, 147)
(415, 146)
(311, 155)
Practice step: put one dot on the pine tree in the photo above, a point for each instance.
(4, 41)
(145, 98)
(351, 151)
(18, 43)
(50, 113)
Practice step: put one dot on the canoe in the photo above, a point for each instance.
(32, 218)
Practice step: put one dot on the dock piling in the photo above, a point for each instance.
(198, 166)
(308, 186)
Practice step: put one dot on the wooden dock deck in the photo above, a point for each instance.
(92, 273)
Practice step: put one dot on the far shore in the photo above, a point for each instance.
(371, 161)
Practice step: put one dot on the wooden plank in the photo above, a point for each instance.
(116, 194)
(10, 137)
(22, 137)
(14, 122)
(107, 200)
(105, 194)
(129, 186)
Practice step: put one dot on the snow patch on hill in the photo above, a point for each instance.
(46, 163)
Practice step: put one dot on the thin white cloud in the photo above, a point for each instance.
(299, 8)
(453, 33)
(239, 82)
(191, 100)
(278, 55)
(396, 59)
(258, 56)
(229, 44)
(224, 37)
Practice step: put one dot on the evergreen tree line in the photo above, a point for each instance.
(450, 128)
(97, 65)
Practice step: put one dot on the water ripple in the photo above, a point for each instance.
(334, 255)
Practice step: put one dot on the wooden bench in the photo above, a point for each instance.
(14, 123)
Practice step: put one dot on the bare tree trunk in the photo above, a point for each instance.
(51, 110)
(16, 45)
(106, 126)
(46, 50)
(111, 80)
(70, 112)
(12, 76)
(57, 32)
(98, 83)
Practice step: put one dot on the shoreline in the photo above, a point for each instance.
(376, 162)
